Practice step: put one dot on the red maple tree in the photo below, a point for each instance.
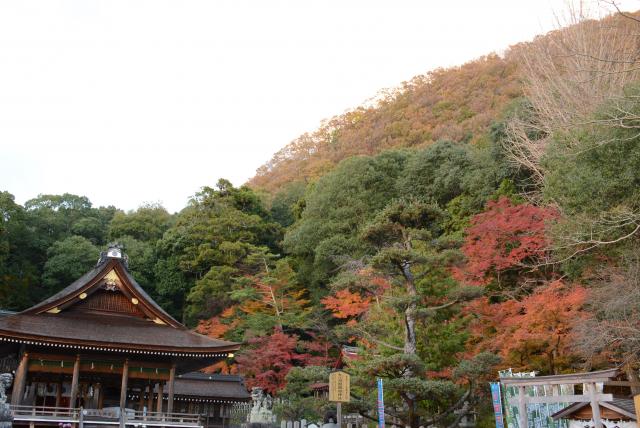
(535, 330)
(269, 359)
(319, 351)
(345, 304)
(502, 237)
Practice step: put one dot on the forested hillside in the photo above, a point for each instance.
(452, 104)
(478, 218)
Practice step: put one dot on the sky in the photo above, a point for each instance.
(131, 102)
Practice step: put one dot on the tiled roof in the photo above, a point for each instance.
(108, 330)
(211, 385)
(624, 406)
(61, 319)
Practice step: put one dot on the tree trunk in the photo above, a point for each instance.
(410, 341)
(410, 346)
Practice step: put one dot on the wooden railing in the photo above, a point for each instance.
(45, 414)
(111, 416)
(165, 419)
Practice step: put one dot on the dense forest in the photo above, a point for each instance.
(474, 219)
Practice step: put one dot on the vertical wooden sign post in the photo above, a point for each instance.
(339, 392)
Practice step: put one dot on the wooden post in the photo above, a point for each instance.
(172, 380)
(595, 406)
(141, 399)
(74, 382)
(160, 398)
(123, 387)
(338, 414)
(150, 398)
(522, 407)
(123, 392)
(20, 381)
(100, 396)
(58, 393)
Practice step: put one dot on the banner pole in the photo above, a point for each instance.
(380, 404)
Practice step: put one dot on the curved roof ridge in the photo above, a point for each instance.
(148, 298)
(69, 289)
(103, 266)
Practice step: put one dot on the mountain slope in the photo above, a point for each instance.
(455, 103)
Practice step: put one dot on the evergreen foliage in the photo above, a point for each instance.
(409, 231)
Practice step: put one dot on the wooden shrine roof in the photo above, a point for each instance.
(92, 278)
(619, 408)
(568, 379)
(106, 309)
(108, 331)
(211, 386)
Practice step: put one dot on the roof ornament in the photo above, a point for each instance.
(114, 251)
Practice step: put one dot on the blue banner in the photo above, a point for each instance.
(380, 404)
(496, 398)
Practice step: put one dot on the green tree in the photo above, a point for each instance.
(592, 174)
(172, 285)
(212, 240)
(142, 261)
(437, 172)
(336, 208)
(394, 233)
(298, 398)
(19, 274)
(68, 260)
(147, 223)
(286, 204)
(271, 298)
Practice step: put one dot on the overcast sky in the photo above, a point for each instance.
(146, 101)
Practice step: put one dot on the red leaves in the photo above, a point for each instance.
(216, 327)
(540, 323)
(346, 304)
(502, 237)
(269, 361)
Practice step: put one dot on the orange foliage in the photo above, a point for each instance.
(216, 327)
(275, 297)
(540, 325)
(452, 103)
(222, 367)
(346, 304)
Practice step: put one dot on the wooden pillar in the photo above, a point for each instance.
(172, 381)
(595, 406)
(20, 380)
(160, 398)
(100, 396)
(150, 398)
(123, 392)
(123, 386)
(58, 393)
(141, 399)
(522, 407)
(74, 382)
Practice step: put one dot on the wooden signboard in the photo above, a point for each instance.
(339, 387)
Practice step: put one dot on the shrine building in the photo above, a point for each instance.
(102, 352)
